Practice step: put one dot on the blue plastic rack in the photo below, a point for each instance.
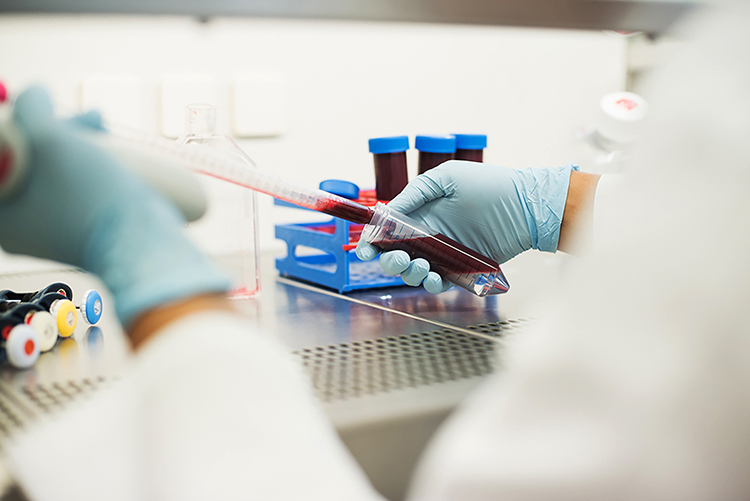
(338, 267)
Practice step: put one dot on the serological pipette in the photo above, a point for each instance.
(385, 228)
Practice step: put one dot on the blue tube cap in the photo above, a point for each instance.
(393, 144)
(341, 188)
(436, 144)
(471, 141)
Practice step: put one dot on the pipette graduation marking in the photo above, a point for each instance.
(224, 166)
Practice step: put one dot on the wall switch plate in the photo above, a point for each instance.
(258, 105)
(119, 98)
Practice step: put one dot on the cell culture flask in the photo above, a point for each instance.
(228, 232)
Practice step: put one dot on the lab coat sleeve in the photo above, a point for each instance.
(605, 205)
(637, 386)
(209, 409)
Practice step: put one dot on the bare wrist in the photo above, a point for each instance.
(577, 225)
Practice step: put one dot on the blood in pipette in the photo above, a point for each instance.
(446, 257)
(346, 209)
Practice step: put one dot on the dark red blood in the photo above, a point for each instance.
(446, 257)
(355, 231)
(470, 155)
(390, 174)
(429, 160)
(346, 209)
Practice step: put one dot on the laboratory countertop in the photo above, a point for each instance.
(299, 314)
(388, 365)
(303, 315)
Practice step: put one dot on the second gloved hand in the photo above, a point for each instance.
(79, 206)
(496, 211)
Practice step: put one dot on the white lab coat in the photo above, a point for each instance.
(207, 410)
(637, 386)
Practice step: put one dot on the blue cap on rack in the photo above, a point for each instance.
(341, 188)
(471, 141)
(393, 144)
(436, 144)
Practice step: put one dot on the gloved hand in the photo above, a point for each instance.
(79, 206)
(496, 211)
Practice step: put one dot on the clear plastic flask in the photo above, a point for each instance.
(228, 232)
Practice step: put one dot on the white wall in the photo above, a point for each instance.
(528, 89)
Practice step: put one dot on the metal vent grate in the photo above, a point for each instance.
(350, 370)
(339, 371)
(54, 397)
(42, 271)
(10, 419)
(19, 408)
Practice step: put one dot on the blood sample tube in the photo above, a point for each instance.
(470, 147)
(434, 150)
(389, 154)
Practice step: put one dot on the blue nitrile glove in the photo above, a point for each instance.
(79, 206)
(496, 211)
